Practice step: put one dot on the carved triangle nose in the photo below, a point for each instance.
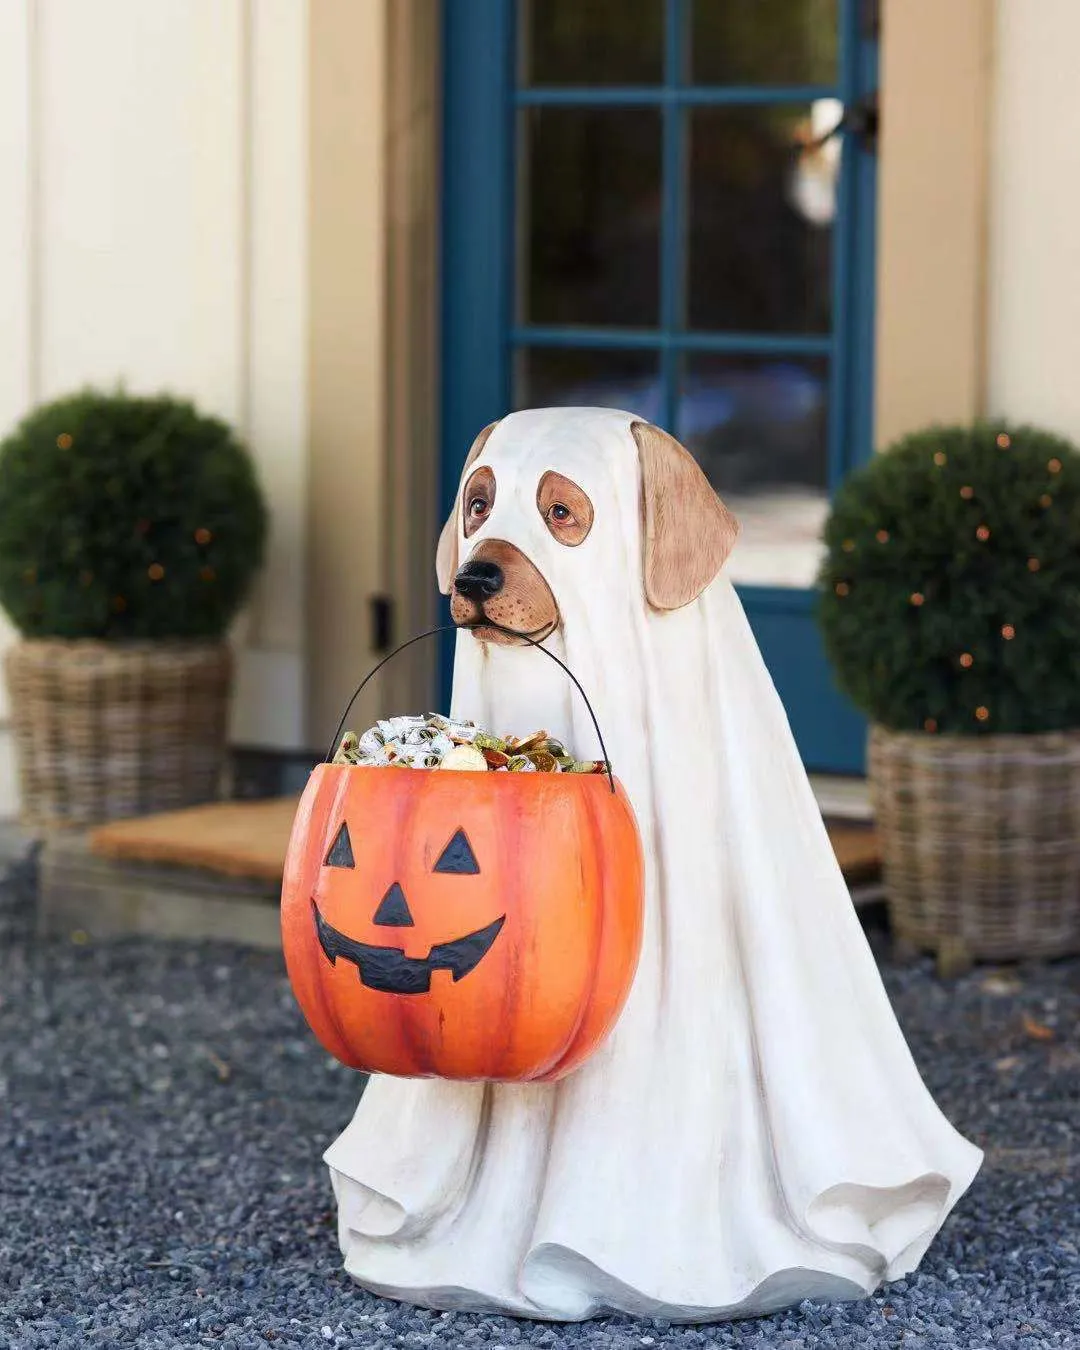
(393, 911)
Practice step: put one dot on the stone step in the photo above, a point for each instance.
(83, 896)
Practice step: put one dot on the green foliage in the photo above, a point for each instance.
(983, 523)
(125, 517)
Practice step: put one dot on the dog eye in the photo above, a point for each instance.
(478, 507)
(560, 514)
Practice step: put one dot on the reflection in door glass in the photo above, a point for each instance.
(762, 42)
(759, 260)
(591, 42)
(589, 216)
(758, 426)
(564, 378)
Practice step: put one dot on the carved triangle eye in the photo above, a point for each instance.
(341, 854)
(458, 856)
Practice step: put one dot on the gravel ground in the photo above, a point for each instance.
(163, 1110)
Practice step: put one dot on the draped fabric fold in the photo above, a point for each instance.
(754, 1131)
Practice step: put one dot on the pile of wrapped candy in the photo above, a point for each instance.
(431, 741)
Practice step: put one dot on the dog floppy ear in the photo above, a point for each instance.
(446, 557)
(687, 531)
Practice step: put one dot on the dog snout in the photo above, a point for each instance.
(479, 580)
(500, 592)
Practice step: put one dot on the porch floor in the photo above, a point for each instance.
(164, 1111)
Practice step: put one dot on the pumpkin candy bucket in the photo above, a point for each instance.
(468, 925)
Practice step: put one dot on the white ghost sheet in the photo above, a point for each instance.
(754, 1131)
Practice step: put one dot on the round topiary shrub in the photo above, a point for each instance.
(951, 585)
(125, 517)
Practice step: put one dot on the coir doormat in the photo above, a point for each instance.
(249, 839)
(237, 839)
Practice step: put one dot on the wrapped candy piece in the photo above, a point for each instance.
(420, 735)
(371, 742)
(442, 723)
(442, 744)
(348, 752)
(393, 727)
(534, 742)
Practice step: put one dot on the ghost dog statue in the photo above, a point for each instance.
(754, 1130)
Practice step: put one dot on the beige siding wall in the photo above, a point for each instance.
(372, 349)
(413, 132)
(936, 77)
(198, 198)
(237, 199)
(1034, 311)
(346, 351)
(153, 175)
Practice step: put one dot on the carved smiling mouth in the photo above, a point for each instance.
(390, 971)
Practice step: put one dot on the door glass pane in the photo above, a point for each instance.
(591, 42)
(560, 377)
(759, 246)
(759, 428)
(763, 42)
(589, 216)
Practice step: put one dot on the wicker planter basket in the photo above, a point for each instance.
(104, 730)
(980, 840)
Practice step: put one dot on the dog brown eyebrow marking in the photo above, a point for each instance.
(480, 487)
(555, 491)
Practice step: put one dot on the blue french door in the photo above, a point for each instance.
(668, 207)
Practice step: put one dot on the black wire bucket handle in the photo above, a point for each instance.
(457, 628)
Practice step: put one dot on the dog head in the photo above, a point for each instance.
(516, 502)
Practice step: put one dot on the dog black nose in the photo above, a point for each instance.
(479, 580)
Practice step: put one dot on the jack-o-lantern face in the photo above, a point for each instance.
(463, 925)
(386, 967)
